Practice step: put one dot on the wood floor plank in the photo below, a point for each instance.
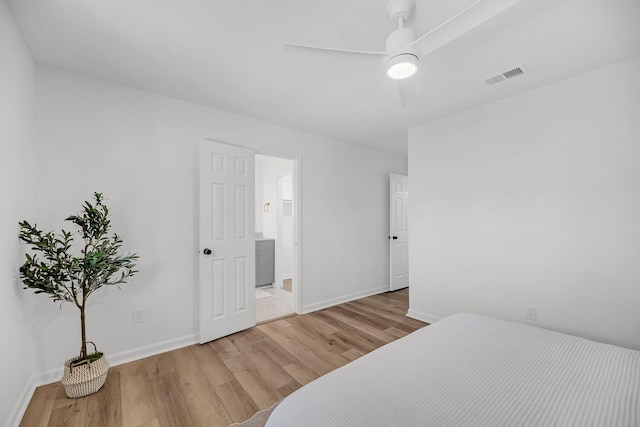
(301, 372)
(104, 408)
(212, 366)
(229, 379)
(353, 336)
(316, 324)
(352, 354)
(238, 404)
(224, 345)
(359, 322)
(383, 310)
(289, 388)
(40, 407)
(398, 298)
(72, 415)
(275, 331)
(261, 393)
(221, 419)
(171, 402)
(309, 330)
(194, 383)
(238, 363)
(364, 313)
(309, 358)
(359, 340)
(269, 369)
(322, 347)
(61, 397)
(136, 397)
(353, 332)
(277, 353)
(396, 332)
(153, 423)
(380, 309)
(156, 366)
(247, 340)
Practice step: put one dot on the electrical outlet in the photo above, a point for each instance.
(532, 313)
(138, 315)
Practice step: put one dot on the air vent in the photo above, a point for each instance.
(509, 74)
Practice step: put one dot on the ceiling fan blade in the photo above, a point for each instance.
(476, 14)
(296, 48)
(408, 90)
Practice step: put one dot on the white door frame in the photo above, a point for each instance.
(297, 221)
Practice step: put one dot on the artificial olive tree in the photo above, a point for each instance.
(70, 273)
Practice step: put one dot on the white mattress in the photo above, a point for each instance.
(471, 370)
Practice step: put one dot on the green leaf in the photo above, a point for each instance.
(65, 277)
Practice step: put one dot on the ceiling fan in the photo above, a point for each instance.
(404, 48)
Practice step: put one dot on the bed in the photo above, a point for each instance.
(471, 370)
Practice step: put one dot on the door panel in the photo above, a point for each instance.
(217, 278)
(241, 280)
(227, 188)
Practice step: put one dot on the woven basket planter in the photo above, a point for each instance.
(86, 378)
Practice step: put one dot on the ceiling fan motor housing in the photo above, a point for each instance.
(399, 40)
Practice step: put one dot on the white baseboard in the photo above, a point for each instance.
(423, 317)
(21, 405)
(115, 359)
(151, 350)
(47, 377)
(346, 298)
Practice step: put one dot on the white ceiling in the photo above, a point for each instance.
(228, 54)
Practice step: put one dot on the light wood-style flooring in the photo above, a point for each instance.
(230, 379)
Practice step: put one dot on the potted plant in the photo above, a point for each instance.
(71, 274)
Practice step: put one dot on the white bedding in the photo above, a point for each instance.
(471, 370)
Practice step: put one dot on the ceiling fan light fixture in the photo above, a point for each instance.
(402, 66)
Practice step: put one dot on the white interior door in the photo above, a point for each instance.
(227, 240)
(399, 231)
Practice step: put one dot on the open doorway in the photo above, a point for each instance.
(275, 237)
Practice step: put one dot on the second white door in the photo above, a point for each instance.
(399, 231)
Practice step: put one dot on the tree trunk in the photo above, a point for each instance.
(83, 349)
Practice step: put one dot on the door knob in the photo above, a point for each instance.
(394, 237)
(207, 251)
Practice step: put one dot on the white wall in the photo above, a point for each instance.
(16, 196)
(268, 169)
(286, 210)
(534, 200)
(258, 204)
(141, 151)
